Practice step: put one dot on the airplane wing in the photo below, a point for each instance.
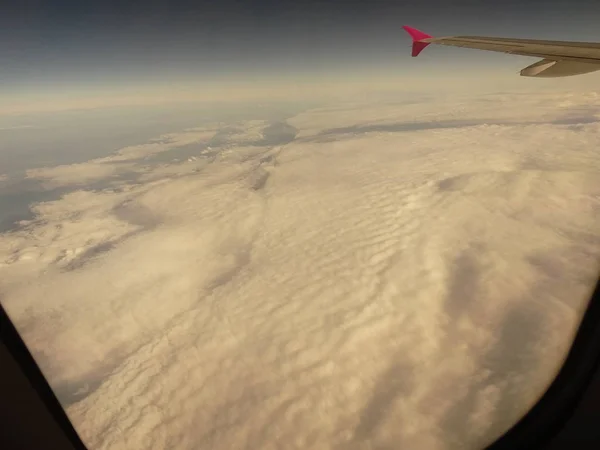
(559, 58)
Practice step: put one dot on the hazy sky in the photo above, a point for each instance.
(70, 48)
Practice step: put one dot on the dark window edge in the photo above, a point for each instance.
(547, 418)
(13, 342)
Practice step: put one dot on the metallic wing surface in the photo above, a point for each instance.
(559, 58)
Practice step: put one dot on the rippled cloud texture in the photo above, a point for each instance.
(394, 276)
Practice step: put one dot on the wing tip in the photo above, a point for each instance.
(417, 37)
(415, 34)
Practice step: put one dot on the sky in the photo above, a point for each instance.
(69, 51)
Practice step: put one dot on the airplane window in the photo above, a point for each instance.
(259, 226)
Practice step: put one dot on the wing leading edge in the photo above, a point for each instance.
(559, 58)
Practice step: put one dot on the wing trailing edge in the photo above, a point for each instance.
(548, 68)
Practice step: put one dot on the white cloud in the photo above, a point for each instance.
(416, 289)
(75, 173)
(124, 161)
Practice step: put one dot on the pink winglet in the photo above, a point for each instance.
(417, 36)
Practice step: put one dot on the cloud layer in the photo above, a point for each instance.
(376, 282)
